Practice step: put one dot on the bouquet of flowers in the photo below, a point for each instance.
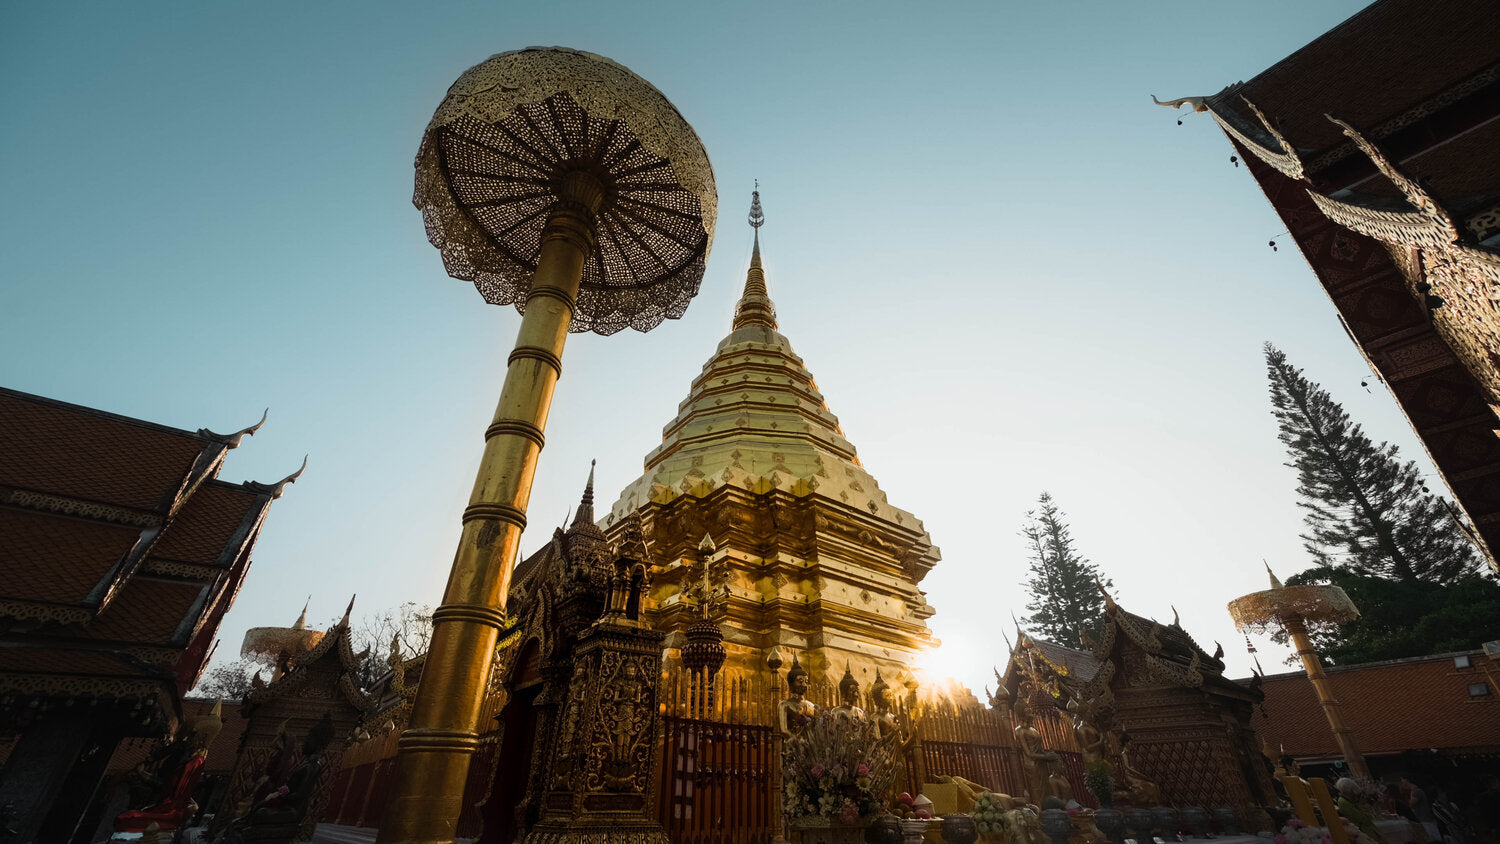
(836, 769)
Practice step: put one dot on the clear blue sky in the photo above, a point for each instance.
(1008, 270)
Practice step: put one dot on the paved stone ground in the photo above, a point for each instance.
(332, 833)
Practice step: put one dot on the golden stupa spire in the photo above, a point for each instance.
(755, 307)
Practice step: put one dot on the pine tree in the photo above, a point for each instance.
(1063, 585)
(1366, 511)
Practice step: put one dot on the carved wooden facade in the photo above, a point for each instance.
(1187, 726)
(322, 681)
(1375, 146)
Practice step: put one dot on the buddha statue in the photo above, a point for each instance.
(1044, 771)
(796, 711)
(849, 698)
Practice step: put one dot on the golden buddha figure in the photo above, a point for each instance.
(1044, 771)
(849, 699)
(793, 713)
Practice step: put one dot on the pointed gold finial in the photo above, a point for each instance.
(1275, 581)
(755, 307)
(301, 622)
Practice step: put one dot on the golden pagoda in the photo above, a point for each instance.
(755, 478)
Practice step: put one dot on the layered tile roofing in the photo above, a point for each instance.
(121, 550)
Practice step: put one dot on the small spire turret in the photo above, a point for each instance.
(755, 306)
(585, 514)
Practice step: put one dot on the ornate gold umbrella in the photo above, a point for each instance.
(562, 183)
(1300, 610)
(279, 647)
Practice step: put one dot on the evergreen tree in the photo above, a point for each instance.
(1063, 585)
(1367, 512)
(1403, 618)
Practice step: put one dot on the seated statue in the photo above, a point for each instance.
(172, 803)
(796, 711)
(1133, 788)
(277, 817)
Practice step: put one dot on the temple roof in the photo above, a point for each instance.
(1386, 79)
(122, 550)
(755, 419)
(1396, 207)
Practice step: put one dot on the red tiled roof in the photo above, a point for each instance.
(203, 528)
(1413, 704)
(63, 661)
(62, 449)
(146, 611)
(1384, 55)
(57, 559)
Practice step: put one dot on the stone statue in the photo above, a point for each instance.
(177, 771)
(794, 712)
(277, 818)
(849, 698)
(1044, 771)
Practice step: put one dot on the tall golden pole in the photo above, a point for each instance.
(1296, 609)
(435, 749)
(560, 182)
(1296, 628)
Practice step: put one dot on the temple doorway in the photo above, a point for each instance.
(513, 763)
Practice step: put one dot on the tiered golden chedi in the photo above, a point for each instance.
(819, 563)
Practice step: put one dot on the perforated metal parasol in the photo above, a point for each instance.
(497, 149)
(1315, 606)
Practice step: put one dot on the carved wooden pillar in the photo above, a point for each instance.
(606, 747)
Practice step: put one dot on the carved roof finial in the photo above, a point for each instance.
(349, 610)
(1176, 619)
(233, 440)
(755, 306)
(1197, 103)
(301, 622)
(1109, 602)
(275, 489)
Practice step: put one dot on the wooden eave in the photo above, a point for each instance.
(1448, 409)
